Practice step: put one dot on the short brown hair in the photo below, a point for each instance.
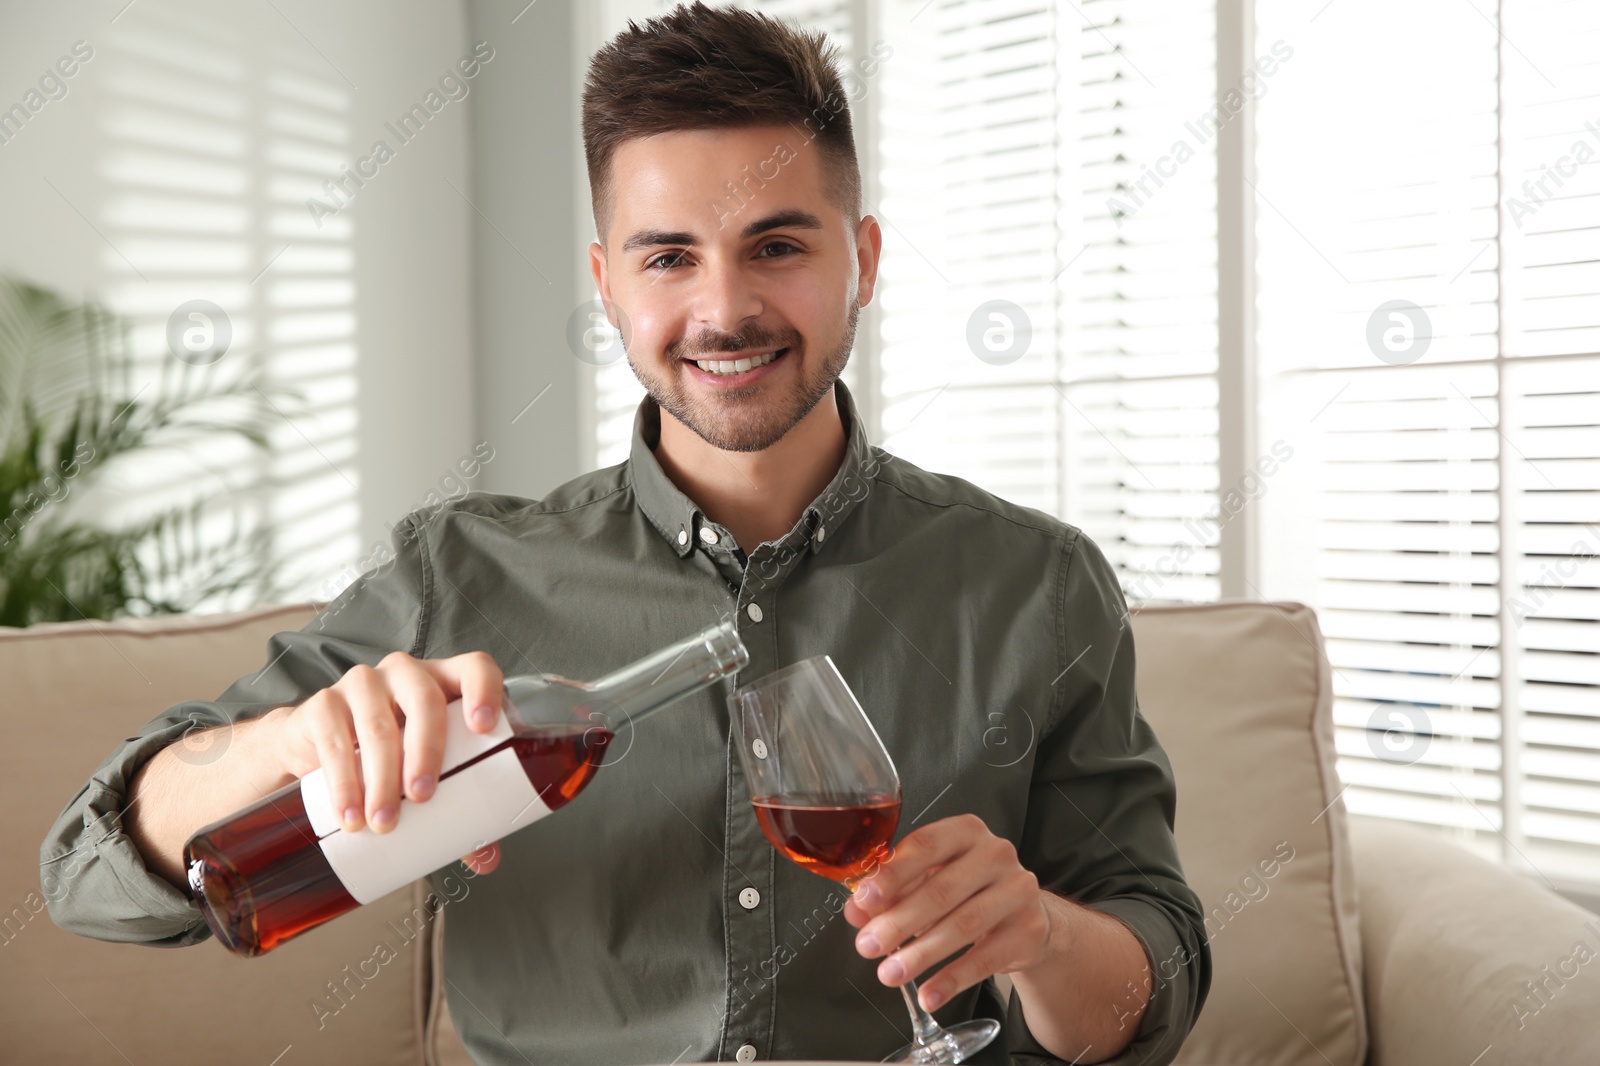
(697, 68)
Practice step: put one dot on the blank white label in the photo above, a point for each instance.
(470, 808)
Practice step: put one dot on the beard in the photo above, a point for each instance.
(739, 420)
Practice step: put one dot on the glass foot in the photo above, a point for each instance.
(957, 1044)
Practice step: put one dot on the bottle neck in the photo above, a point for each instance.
(645, 686)
(637, 690)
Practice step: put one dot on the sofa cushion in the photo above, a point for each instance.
(1464, 955)
(73, 693)
(1240, 695)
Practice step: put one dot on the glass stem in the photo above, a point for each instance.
(924, 1029)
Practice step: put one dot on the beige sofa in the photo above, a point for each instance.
(1333, 943)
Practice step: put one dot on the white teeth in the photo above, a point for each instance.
(734, 366)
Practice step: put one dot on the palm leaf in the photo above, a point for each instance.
(68, 412)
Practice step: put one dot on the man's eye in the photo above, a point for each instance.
(780, 244)
(667, 261)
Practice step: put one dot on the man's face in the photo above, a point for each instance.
(707, 274)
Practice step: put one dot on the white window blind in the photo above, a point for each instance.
(1014, 134)
(1141, 452)
(1444, 516)
(971, 199)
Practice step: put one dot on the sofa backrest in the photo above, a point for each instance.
(1239, 694)
(72, 694)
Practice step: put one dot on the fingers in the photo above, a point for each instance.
(422, 739)
(484, 860)
(326, 717)
(855, 915)
(917, 912)
(858, 914)
(477, 679)
(976, 921)
(916, 857)
(952, 885)
(378, 730)
(1018, 937)
(378, 738)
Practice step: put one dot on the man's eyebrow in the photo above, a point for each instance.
(652, 238)
(792, 218)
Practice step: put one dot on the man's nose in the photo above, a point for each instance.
(725, 298)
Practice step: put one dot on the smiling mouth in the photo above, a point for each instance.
(738, 366)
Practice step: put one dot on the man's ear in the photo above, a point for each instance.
(869, 249)
(598, 269)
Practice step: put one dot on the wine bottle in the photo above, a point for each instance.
(285, 864)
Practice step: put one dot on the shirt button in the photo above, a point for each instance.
(754, 611)
(683, 536)
(708, 534)
(749, 899)
(746, 1053)
(821, 532)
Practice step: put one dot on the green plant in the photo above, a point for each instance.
(68, 414)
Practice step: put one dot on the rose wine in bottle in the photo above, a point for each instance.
(285, 864)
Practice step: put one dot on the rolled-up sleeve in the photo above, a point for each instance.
(1099, 828)
(94, 879)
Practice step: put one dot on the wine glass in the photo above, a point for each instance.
(826, 794)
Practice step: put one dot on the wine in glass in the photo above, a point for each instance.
(826, 794)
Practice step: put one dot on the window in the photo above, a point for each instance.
(1430, 267)
(1049, 328)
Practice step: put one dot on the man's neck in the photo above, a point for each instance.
(758, 496)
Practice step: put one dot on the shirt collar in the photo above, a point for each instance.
(679, 519)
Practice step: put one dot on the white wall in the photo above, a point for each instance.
(178, 165)
(530, 244)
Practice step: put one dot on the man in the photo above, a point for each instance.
(650, 919)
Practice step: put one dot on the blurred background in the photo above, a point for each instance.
(276, 274)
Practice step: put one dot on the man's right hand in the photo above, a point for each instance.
(380, 729)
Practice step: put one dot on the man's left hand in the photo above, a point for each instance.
(951, 884)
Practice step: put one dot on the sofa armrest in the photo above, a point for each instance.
(1462, 955)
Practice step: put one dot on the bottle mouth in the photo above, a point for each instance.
(727, 649)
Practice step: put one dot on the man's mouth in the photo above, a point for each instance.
(728, 364)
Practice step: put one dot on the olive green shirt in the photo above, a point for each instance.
(649, 919)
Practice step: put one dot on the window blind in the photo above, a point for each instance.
(1451, 443)
(1141, 415)
(1015, 136)
(1550, 378)
(969, 206)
